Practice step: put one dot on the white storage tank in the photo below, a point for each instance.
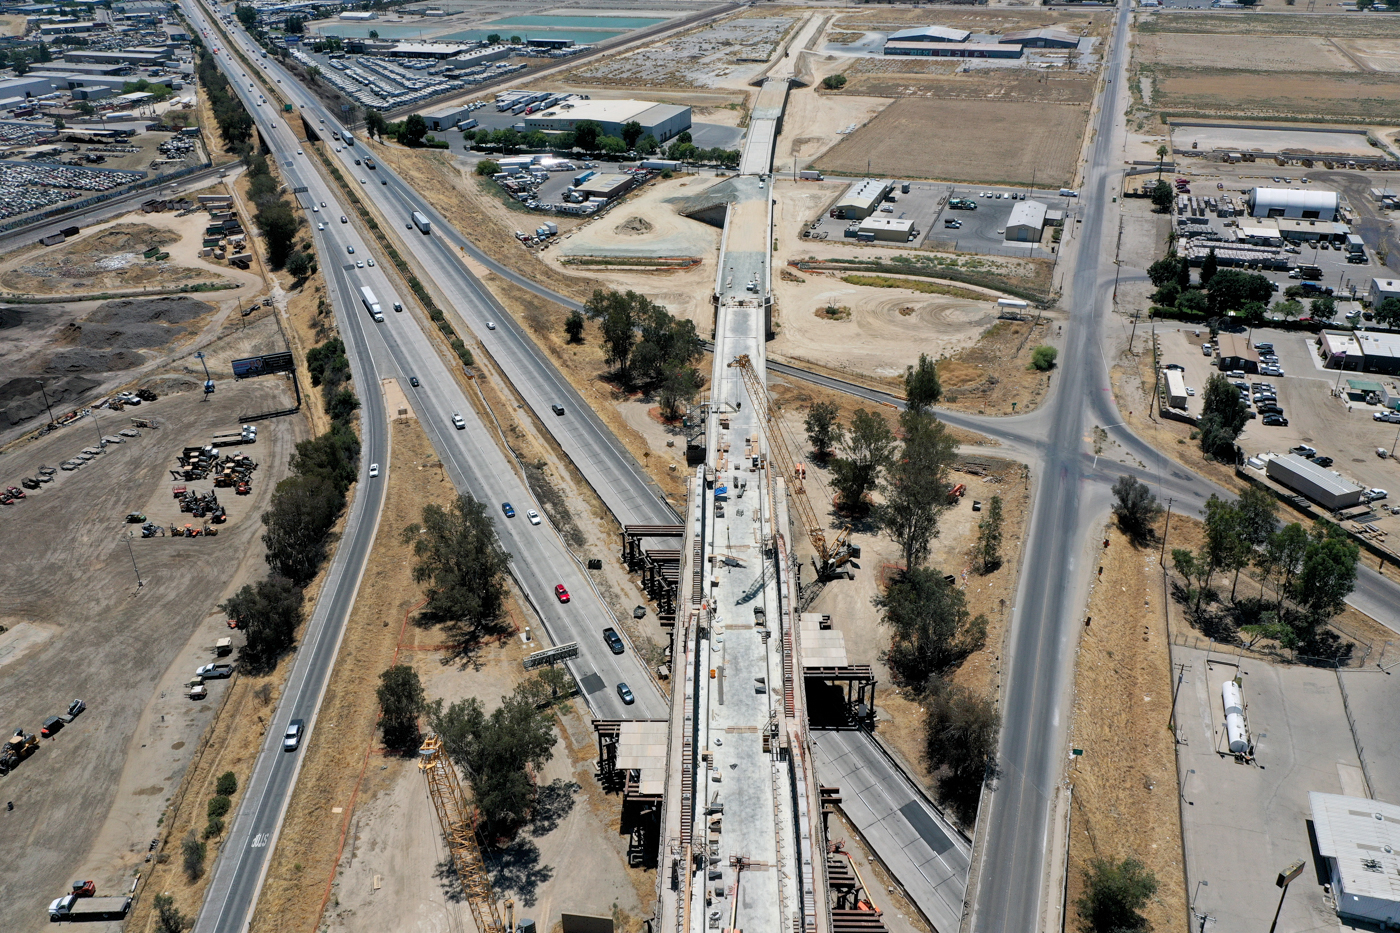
(1234, 718)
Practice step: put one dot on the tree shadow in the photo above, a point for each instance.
(553, 802)
(447, 879)
(516, 870)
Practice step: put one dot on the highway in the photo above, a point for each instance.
(399, 348)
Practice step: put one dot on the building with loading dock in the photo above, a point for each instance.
(861, 199)
(885, 228)
(1312, 204)
(660, 121)
(952, 49)
(1047, 38)
(1306, 478)
(1027, 222)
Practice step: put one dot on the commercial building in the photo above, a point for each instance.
(64, 29)
(1027, 221)
(883, 228)
(1236, 353)
(1047, 38)
(1306, 478)
(1312, 204)
(445, 119)
(1176, 389)
(1359, 840)
(952, 49)
(606, 186)
(128, 57)
(1381, 289)
(661, 121)
(549, 43)
(1380, 353)
(1339, 350)
(930, 34)
(862, 199)
(1312, 230)
(434, 50)
(30, 85)
(1264, 233)
(358, 16)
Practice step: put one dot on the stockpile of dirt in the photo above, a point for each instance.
(174, 310)
(633, 226)
(21, 400)
(108, 339)
(86, 360)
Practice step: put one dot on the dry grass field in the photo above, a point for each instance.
(1336, 27)
(1262, 53)
(1028, 140)
(1336, 97)
(998, 86)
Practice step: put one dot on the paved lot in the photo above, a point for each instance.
(1246, 822)
(1375, 708)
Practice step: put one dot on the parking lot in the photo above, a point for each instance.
(1246, 822)
(978, 231)
(31, 186)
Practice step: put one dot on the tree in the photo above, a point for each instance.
(684, 138)
(302, 512)
(1162, 196)
(1364, 5)
(333, 456)
(168, 916)
(1183, 273)
(463, 563)
(612, 145)
(921, 385)
(1163, 271)
(375, 123)
(1231, 288)
(1388, 312)
(1135, 507)
(1324, 308)
(85, 108)
(193, 852)
(488, 167)
(834, 82)
(1167, 295)
(823, 430)
(246, 15)
(414, 129)
(498, 751)
(269, 612)
(1288, 310)
(515, 40)
(933, 629)
(647, 145)
(536, 139)
(494, 38)
(42, 53)
(631, 132)
(19, 63)
(296, 25)
(868, 448)
(1193, 302)
(1223, 417)
(279, 227)
(1209, 266)
(1256, 520)
(58, 124)
(1282, 557)
(679, 387)
(401, 701)
(1043, 358)
(988, 549)
(586, 134)
(374, 33)
(1114, 894)
(1328, 572)
(301, 264)
(1192, 569)
(1162, 153)
(227, 784)
(916, 486)
(573, 326)
(960, 742)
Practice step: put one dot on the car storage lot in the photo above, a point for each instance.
(1335, 426)
(88, 801)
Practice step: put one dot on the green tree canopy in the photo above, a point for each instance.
(462, 562)
(1162, 196)
(932, 627)
(824, 431)
(586, 134)
(631, 132)
(1135, 507)
(401, 701)
(415, 128)
(960, 742)
(916, 485)
(1223, 416)
(269, 612)
(868, 447)
(1114, 895)
(921, 386)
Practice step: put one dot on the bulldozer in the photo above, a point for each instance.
(19, 747)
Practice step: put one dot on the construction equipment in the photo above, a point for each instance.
(19, 747)
(151, 529)
(459, 826)
(832, 555)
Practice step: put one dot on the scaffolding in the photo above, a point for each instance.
(458, 822)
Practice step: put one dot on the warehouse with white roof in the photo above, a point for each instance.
(1312, 204)
(1359, 840)
(660, 121)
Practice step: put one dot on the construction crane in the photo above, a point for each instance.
(458, 822)
(830, 555)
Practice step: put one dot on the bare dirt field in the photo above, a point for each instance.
(1125, 799)
(1261, 53)
(1373, 54)
(647, 225)
(1201, 23)
(986, 86)
(1039, 141)
(723, 53)
(71, 586)
(979, 19)
(813, 122)
(1367, 98)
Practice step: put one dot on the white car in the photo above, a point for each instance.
(320, 226)
(359, 264)
(373, 470)
(458, 422)
(299, 152)
(1190, 391)
(490, 325)
(315, 209)
(370, 261)
(292, 738)
(337, 148)
(533, 516)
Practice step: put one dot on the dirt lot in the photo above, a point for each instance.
(95, 794)
(1369, 98)
(1038, 141)
(1262, 53)
(976, 19)
(1125, 800)
(1344, 26)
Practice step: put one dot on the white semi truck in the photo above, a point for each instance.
(371, 304)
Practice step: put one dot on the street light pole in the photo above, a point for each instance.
(129, 550)
(46, 399)
(1162, 558)
(1285, 878)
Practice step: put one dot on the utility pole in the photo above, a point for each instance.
(129, 550)
(46, 399)
(1180, 677)
(1162, 558)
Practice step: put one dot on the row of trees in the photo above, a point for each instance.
(1219, 292)
(232, 118)
(647, 347)
(279, 222)
(20, 59)
(330, 369)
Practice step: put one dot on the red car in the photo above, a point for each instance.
(15, 492)
(562, 593)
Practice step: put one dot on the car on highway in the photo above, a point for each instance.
(362, 181)
(558, 409)
(508, 509)
(323, 203)
(413, 381)
(295, 729)
(398, 306)
(320, 226)
(561, 593)
(533, 516)
(343, 219)
(350, 250)
(490, 325)
(299, 152)
(625, 693)
(359, 264)
(614, 640)
(373, 470)
(458, 422)
(371, 264)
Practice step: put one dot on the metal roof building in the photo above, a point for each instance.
(861, 199)
(1360, 840)
(1026, 222)
(1048, 38)
(1380, 353)
(1381, 289)
(951, 49)
(888, 228)
(1324, 487)
(1293, 202)
(661, 121)
(930, 34)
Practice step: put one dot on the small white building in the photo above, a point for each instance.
(888, 228)
(1360, 841)
(1381, 289)
(358, 16)
(1027, 222)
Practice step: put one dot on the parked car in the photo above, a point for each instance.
(1275, 421)
(1303, 450)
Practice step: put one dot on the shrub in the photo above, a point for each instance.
(219, 806)
(194, 852)
(214, 827)
(1043, 358)
(227, 785)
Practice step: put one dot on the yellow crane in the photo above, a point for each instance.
(830, 554)
(458, 821)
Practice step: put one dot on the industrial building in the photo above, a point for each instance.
(1312, 204)
(30, 85)
(1306, 478)
(660, 121)
(434, 50)
(358, 16)
(446, 119)
(1048, 38)
(952, 49)
(1236, 354)
(1312, 230)
(1027, 222)
(1381, 289)
(861, 199)
(127, 57)
(883, 228)
(1380, 353)
(1176, 389)
(930, 34)
(606, 186)
(1359, 839)
(1259, 234)
(1339, 351)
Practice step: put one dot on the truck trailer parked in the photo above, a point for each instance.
(72, 907)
